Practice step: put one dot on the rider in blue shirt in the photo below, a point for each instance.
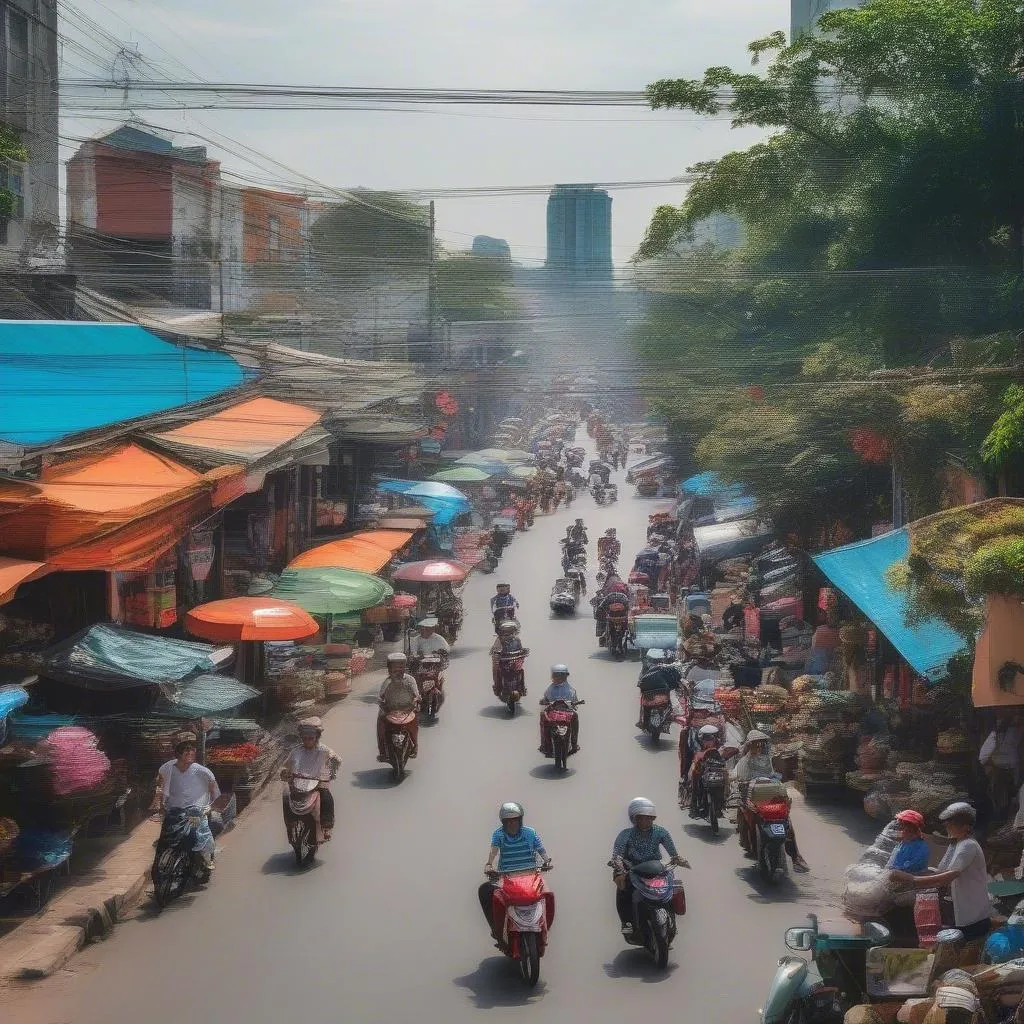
(514, 847)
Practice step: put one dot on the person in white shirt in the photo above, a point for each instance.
(312, 759)
(1000, 758)
(430, 642)
(962, 868)
(184, 783)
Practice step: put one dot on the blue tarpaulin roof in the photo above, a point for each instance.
(63, 377)
(710, 485)
(858, 570)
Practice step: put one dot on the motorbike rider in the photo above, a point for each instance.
(756, 763)
(502, 603)
(312, 759)
(514, 847)
(710, 739)
(506, 643)
(642, 842)
(560, 689)
(614, 590)
(577, 532)
(183, 782)
(609, 545)
(660, 676)
(429, 641)
(399, 692)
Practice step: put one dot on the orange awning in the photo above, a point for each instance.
(247, 432)
(250, 618)
(117, 509)
(14, 572)
(390, 540)
(347, 553)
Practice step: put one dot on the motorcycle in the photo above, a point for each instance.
(560, 716)
(428, 680)
(511, 675)
(763, 825)
(301, 815)
(578, 578)
(564, 597)
(488, 563)
(658, 897)
(504, 615)
(609, 495)
(711, 786)
(399, 741)
(449, 622)
(597, 493)
(655, 714)
(526, 909)
(616, 629)
(176, 862)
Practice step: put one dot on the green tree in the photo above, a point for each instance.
(11, 149)
(474, 288)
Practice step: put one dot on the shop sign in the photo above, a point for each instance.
(200, 554)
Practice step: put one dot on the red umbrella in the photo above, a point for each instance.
(250, 618)
(432, 571)
(403, 601)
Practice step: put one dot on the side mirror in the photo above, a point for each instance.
(800, 940)
(877, 933)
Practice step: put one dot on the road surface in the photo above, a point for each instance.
(386, 927)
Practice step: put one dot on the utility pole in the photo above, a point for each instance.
(431, 287)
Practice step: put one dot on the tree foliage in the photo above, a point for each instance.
(883, 217)
(11, 149)
(474, 287)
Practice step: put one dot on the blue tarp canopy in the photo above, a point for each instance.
(858, 570)
(63, 377)
(710, 485)
(446, 502)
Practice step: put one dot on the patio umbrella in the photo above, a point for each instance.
(506, 454)
(433, 489)
(462, 475)
(248, 621)
(432, 571)
(331, 591)
(477, 461)
(523, 472)
(347, 553)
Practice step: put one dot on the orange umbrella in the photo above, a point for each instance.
(347, 553)
(391, 538)
(250, 618)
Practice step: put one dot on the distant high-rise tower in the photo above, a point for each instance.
(580, 230)
(804, 14)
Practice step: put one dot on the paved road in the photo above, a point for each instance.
(387, 928)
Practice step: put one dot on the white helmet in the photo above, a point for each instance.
(756, 736)
(707, 732)
(510, 810)
(641, 805)
(559, 670)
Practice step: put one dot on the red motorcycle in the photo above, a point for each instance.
(763, 825)
(523, 910)
(511, 678)
(398, 731)
(431, 687)
(560, 716)
(655, 714)
(616, 631)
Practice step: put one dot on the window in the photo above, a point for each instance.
(274, 235)
(12, 177)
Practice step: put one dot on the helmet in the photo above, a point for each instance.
(610, 532)
(498, 586)
(429, 623)
(395, 657)
(510, 810)
(960, 809)
(914, 818)
(756, 736)
(559, 670)
(708, 732)
(312, 724)
(641, 805)
(508, 626)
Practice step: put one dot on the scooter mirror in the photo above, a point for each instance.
(877, 933)
(800, 940)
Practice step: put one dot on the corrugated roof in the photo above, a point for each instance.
(65, 377)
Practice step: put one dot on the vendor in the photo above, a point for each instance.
(963, 870)
(732, 617)
(1000, 758)
(911, 853)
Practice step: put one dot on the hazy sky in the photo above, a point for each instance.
(559, 44)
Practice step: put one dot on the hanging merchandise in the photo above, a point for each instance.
(200, 554)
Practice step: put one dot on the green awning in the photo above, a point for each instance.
(331, 591)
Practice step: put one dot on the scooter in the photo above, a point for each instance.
(617, 629)
(504, 615)
(399, 741)
(560, 716)
(711, 785)
(176, 862)
(301, 806)
(525, 908)
(763, 825)
(655, 714)
(658, 897)
(428, 679)
(579, 579)
(512, 678)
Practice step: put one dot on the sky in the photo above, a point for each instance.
(558, 44)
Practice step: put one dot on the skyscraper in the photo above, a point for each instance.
(804, 14)
(580, 230)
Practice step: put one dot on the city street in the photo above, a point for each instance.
(386, 926)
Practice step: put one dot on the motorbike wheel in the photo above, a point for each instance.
(655, 733)
(529, 958)
(398, 759)
(170, 874)
(657, 944)
(511, 705)
(713, 815)
(558, 748)
(769, 864)
(303, 843)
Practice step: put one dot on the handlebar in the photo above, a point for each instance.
(495, 873)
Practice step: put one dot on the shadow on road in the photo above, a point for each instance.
(849, 817)
(786, 891)
(374, 778)
(549, 771)
(500, 711)
(284, 864)
(663, 746)
(637, 963)
(496, 982)
(700, 829)
(464, 652)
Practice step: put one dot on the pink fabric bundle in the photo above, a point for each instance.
(76, 763)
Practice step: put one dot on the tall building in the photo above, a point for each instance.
(28, 105)
(580, 230)
(804, 14)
